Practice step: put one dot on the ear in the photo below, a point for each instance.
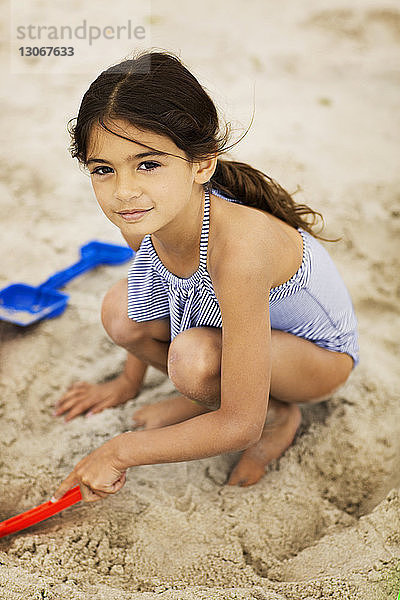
(204, 170)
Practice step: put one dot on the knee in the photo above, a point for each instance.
(114, 315)
(194, 356)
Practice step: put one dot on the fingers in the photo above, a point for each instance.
(87, 404)
(78, 410)
(88, 492)
(82, 397)
(90, 495)
(76, 401)
(74, 392)
(96, 476)
(119, 484)
(74, 389)
(102, 405)
(65, 486)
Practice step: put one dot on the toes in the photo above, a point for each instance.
(136, 423)
(246, 473)
(165, 412)
(143, 417)
(138, 419)
(235, 479)
(252, 479)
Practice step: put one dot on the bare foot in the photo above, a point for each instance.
(166, 412)
(278, 434)
(82, 397)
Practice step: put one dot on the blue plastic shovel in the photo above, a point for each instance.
(25, 304)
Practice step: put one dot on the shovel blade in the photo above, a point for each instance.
(25, 304)
(106, 253)
(40, 513)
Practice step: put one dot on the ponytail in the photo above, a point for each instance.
(240, 181)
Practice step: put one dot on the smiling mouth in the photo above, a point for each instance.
(133, 211)
(133, 215)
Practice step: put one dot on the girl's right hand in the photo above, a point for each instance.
(98, 475)
(89, 398)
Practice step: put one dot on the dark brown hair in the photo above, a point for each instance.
(154, 91)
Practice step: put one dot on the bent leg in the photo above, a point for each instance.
(301, 372)
(194, 368)
(304, 372)
(147, 341)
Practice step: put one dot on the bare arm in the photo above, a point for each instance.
(202, 436)
(103, 471)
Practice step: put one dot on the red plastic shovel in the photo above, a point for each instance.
(40, 513)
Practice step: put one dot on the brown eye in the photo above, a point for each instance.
(153, 165)
(98, 171)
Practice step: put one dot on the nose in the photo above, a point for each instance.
(126, 189)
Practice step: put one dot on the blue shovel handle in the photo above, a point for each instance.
(93, 254)
(60, 278)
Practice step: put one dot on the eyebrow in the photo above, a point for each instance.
(131, 157)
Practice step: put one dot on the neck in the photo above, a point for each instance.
(180, 239)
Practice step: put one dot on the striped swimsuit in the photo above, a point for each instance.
(313, 304)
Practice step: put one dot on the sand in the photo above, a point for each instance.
(324, 522)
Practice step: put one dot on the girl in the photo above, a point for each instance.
(230, 293)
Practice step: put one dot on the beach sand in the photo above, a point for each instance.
(324, 522)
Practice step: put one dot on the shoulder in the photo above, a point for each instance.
(242, 245)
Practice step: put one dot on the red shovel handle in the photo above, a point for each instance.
(40, 513)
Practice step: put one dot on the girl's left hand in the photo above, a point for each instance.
(98, 475)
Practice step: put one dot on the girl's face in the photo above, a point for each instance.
(127, 176)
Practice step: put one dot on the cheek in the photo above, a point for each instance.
(102, 197)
